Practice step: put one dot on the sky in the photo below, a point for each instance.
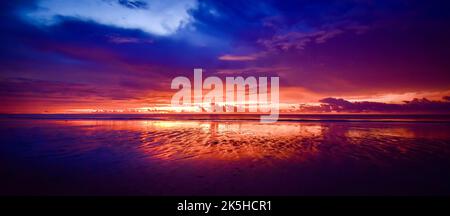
(121, 55)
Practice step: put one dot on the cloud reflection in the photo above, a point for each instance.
(247, 141)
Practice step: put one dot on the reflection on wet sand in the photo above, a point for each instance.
(232, 141)
(294, 141)
(227, 157)
(174, 140)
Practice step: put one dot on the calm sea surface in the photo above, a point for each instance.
(224, 155)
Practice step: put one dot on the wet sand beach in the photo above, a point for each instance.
(224, 156)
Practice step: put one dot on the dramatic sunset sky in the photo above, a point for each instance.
(121, 55)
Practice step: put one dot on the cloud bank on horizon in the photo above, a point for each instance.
(120, 54)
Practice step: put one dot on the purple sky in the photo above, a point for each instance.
(69, 56)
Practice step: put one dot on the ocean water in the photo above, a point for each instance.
(224, 155)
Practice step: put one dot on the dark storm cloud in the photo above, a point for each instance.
(416, 105)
